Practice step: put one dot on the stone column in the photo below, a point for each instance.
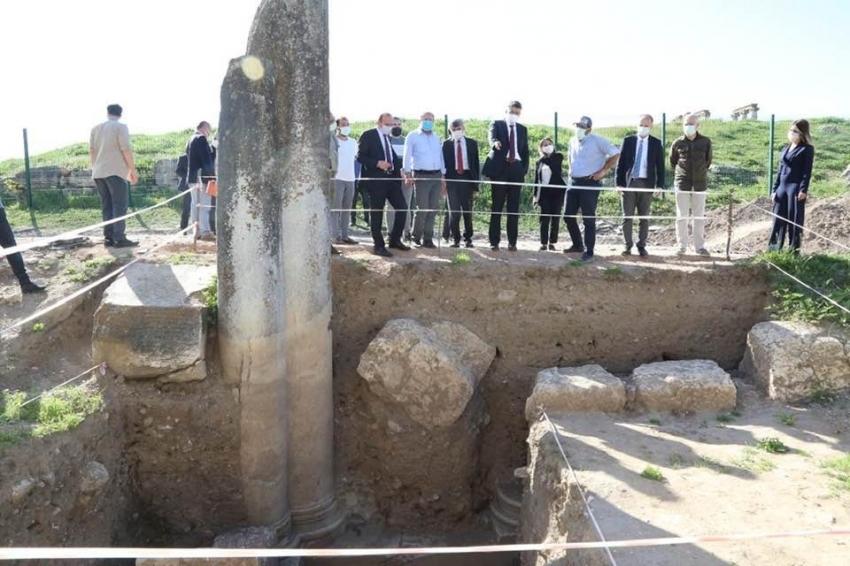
(288, 46)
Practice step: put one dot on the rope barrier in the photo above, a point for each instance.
(119, 553)
(35, 316)
(535, 214)
(590, 514)
(810, 231)
(807, 286)
(66, 235)
(101, 367)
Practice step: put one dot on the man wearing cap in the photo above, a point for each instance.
(591, 157)
(506, 163)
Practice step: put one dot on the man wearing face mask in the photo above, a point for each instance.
(591, 157)
(460, 155)
(641, 166)
(343, 194)
(690, 158)
(397, 141)
(382, 166)
(507, 162)
(425, 170)
(201, 170)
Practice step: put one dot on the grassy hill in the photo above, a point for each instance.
(740, 146)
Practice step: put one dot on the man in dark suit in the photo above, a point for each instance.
(641, 166)
(460, 155)
(506, 162)
(201, 170)
(379, 161)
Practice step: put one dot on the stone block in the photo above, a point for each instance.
(683, 387)
(431, 372)
(792, 360)
(151, 323)
(585, 388)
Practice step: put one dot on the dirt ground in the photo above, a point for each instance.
(715, 481)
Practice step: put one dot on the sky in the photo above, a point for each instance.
(163, 60)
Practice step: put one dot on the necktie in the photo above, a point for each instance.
(512, 143)
(388, 153)
(459, 158)
(636, 168)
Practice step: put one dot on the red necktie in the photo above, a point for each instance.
(512, 143)
(388, 153)
(459, 158)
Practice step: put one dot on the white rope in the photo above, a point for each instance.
(47, 241)
(35, 316)
(809, 230)
(535, 214)
(807, 286)
(101, 367)
(580, 490)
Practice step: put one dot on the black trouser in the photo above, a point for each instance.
(584, 199)
(789, 209)
(363, 192)
(212, 213)
(186, 211)
(551, 203)
(460, 205)
(447, 222)
(512, 173)
(380, 193)
(114, 194)
(642, 201)
(7, 240)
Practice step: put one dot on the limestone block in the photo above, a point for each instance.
(150, 322)
(430, 371)
(683, 386)
(585, 388)
(790, 360)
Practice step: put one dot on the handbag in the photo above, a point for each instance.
(212, 188)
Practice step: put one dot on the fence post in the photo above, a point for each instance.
(445, 126)
(556, 130)
(27, 173)
(770, 153)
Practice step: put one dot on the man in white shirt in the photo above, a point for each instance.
(343, 194)
(423, 168)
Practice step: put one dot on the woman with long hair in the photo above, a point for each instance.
(791, 188)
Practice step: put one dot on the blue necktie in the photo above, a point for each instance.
(636, 168)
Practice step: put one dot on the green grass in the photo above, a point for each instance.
(821, 395)
(652, 473)
(839, 470)
(187, 258)
(210, 297)
(461, 258)
(725, 418)
(656, 422)
(38, 327)
(59, 411)
(788, 419)
(752, 461)
(772, 446)
(88, 270)
(613, 271)
(829, 274)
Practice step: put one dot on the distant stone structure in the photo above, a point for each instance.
(750, 111)
(701, 114)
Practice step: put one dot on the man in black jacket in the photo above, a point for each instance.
(506, 162)
(641, 166)
(460, 155)
(382, 166)
(201, 170)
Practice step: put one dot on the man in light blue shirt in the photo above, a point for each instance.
(423, 167)
(591, 157)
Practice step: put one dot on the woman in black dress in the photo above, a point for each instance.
(791, 187)
(549, 171)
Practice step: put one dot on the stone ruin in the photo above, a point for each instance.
(750, 111)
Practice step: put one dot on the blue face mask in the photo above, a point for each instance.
(427, 125)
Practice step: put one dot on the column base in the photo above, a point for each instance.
(318, 521)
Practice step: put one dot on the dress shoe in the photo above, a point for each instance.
(400, 246)
(455, 245)
(350, 241)
(551, 247)
(382, 252)
(494, 247)
(469, 244)
(125, 243)
(586, 257)
(108, 242)
(512, 248)
(417, 241)
(429, 244)
(544, 248)
(574, 250)
(643, 252)
(681, 251)
(29, 288)
(627, 251)
(703, 252)
(334, 251)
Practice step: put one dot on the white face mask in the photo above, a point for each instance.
(581, 133)
(643, 131)
(457, 134)
(548, 149)
(333, 127)
(385, 130)
(690, 130)
(793, 137)
(511, 119)
(345, 130)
